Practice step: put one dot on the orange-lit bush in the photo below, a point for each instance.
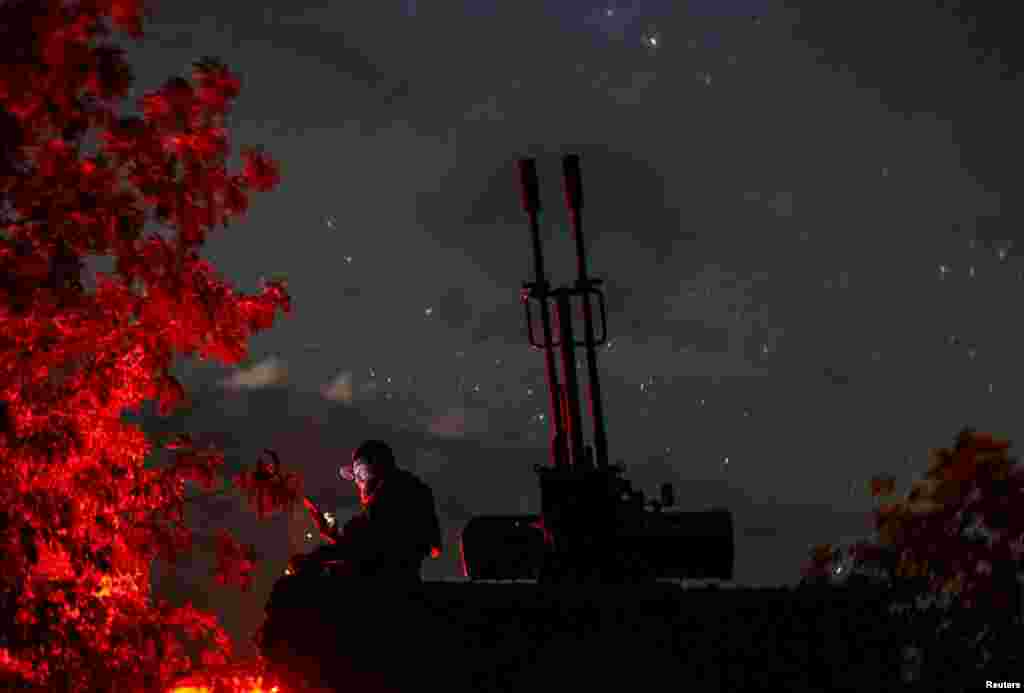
(960, 529)
(81, 515)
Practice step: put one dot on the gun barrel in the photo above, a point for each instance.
(574, 425)
(529, 190)
(572, 183)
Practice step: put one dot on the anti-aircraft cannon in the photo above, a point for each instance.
(593, 524)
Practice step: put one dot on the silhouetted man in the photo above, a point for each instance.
(397, 525)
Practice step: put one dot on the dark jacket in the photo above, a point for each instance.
(394, 531)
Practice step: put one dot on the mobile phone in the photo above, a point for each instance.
(308, 502)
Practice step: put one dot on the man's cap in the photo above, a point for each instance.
(375, 453)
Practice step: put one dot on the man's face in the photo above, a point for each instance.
(365, 478)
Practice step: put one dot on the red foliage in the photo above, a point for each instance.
(269, 488)
(82, 515)
(234, 562)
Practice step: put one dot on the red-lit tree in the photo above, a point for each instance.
(81, 514)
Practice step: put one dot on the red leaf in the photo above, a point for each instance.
(228, 351)
(155, 107)
(216, 87)
(882, 485)
(179, 441)
(127, 15)
(269, 492)
(236, 201)
(171, 395)
(234, 564)
(198, 467)
(260, 171)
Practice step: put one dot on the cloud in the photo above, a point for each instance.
(340, 389)
(271, 371)
(458, 422)
(450, 424)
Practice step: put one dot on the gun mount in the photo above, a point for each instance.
(593, 524)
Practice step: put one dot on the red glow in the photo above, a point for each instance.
(234, 679)
(239, 687)
(462, 558)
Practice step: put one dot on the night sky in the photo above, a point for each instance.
(804, 213)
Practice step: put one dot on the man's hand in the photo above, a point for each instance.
(326, 530)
